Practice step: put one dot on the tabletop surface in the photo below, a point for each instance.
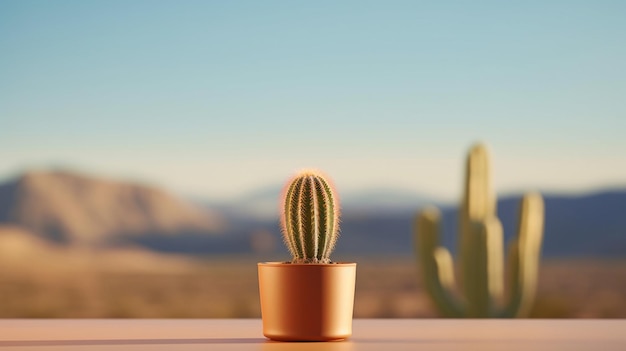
(368, 334)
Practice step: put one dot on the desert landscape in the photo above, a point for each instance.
(136, 284)
(75, 246)
(145, 149)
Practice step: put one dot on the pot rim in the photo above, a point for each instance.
(289, 264)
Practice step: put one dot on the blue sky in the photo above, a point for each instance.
(215, 99)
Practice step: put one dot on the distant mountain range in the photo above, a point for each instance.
(591, 225)
(70, 209)
(77, 210)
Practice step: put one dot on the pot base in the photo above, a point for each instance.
(304, 338)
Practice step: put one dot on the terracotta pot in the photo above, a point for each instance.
(307, 302)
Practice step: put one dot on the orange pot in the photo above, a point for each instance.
(307, 302)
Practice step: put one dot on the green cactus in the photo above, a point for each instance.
(481, 251)
(310, 218)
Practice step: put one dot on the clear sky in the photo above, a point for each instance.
(218, 98)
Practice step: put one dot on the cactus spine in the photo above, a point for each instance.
(310, 218)
(481, 251)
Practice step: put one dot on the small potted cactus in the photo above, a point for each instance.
(310, 298)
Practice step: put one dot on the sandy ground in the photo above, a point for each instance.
(140, 284)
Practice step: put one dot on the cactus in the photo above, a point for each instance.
(310, 218)
(481, 251)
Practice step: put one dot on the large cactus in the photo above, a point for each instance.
(310, 218)
(481, 251)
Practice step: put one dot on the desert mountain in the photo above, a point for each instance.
(75, 209)
(585, 225)
(66, 208)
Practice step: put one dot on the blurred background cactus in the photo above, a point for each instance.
(310, 218)
(481, 251)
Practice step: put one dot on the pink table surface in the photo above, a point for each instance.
(368, 334)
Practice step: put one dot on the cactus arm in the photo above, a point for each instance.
(478, 200)
(436, 264)
(495, 264)
(514, 296)
(478, 204)
(524, 256)
(484, 286)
